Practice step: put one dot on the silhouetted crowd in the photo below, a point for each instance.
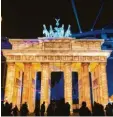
(97, 110)
(56, 109)
(7, 109)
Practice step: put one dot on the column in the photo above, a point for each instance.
(9, 88)
(32, 91)
(19, 85)
(86, 84)
(15, 92)
(103, 86)
(27, 80)
(68, 84)
(80, 87)
(95, 84)
(45, 84)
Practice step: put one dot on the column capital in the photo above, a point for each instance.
(103, 63)
(10, 63)
(85, 63)
(67, 63)
(44, 63)
(27, 63)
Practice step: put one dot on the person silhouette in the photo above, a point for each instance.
(43, 109)
(15, 110)
(112, 108)
(67, 109)
(84, 111)
(37, 110)
(7, 109)
(49, 110)
(109, 110)
(24, 109)
(2, 108)
(95, 109)
(10, 108)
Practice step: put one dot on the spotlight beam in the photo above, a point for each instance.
(76, 16)
(98, 15)
(92, 33)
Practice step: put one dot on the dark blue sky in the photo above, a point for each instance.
(110, 76)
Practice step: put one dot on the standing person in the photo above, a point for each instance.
(37, 110)
(112, 108)
(24, 110)
(95, 110)
(67, 109)
(84, 111)
(42, 109)
(49, 110)
(2, 108)
(10, 108)
(108, 109)
(15, 110)
(101, 110)
(7, 109)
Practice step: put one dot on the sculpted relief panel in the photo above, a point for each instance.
(86, 45)
(57, 45)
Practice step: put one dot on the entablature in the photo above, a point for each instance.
(48, 58)
(56, 52)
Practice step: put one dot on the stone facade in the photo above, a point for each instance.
(26, 55)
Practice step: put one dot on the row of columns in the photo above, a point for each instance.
(100, 88)
(13, 93)
(20, 85)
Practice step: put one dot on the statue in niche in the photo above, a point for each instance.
(45, 32)
(68, 32)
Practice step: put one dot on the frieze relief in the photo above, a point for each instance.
(28, 58)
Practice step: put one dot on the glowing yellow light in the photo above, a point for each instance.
(68, 84)
(10, 82)
(45, 88)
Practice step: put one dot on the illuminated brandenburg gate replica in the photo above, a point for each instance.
(27, 57)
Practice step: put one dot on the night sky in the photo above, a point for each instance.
(25, 19)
